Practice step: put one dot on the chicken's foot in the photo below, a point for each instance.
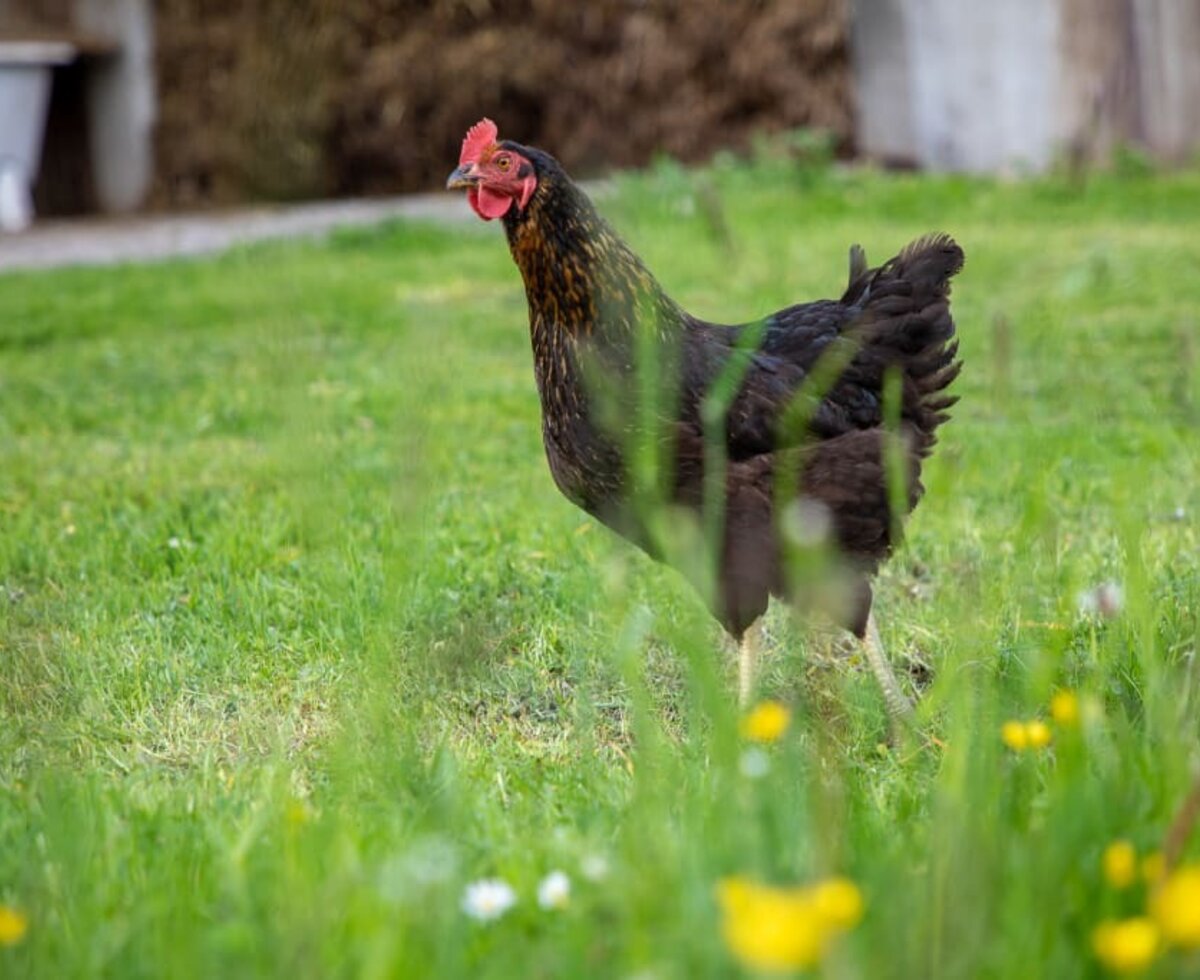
(748, 648)
(898, 706)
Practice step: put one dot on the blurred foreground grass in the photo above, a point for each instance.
(298, 638)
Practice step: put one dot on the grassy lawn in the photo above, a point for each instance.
(297, 638)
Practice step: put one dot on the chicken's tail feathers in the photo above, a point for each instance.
(936, 258)
(906, 325)
(860, 271)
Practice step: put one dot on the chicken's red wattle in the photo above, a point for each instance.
(488, 204)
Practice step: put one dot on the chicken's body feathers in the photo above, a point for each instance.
(596, 312)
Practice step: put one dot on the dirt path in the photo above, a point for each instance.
(148, 238)
(154, 237)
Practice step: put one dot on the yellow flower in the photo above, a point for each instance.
(13, 925)
(1064, 708)
(1154, 866)
(769, 928)
(1128, 946)
(782, 929)
(839, 902)
(1014, 735)
(1037, 734)
(1022, 735)
(1120, 864)
(1175, 906)
(767, 722)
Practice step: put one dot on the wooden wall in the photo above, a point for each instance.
(1015, 85)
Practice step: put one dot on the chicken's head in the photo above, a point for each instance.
(495, 176)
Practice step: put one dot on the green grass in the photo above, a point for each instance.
(298, 638)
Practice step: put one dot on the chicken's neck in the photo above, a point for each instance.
(582, 281)
(593, 306)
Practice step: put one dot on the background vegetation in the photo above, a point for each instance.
(284, 99)
(298, 637)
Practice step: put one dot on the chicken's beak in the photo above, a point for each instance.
(464, 176)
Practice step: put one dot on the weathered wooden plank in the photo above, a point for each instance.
(1013, 85)
(1167, 36)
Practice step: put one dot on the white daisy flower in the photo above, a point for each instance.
(1104, 600)
(488, 899)
(409, 875)
(594, 867)
(754, 763)
(554, 891)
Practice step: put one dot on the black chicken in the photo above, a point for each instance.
(597, 316)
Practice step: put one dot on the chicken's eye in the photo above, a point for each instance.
(503, 163)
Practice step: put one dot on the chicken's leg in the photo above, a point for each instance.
(898, 706)
(748, 647)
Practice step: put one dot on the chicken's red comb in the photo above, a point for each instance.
(479, 137)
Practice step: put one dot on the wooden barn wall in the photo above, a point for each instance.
(963, 86)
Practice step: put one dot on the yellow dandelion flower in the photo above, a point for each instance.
(1064, 708)
(1037, 734)
(780, 929)
(1175, 906)
(1015, 735)
(767, 722)
(13, 925)
(1120, 864)
(770, 929)
(1154, 866)
(1127, 946)
(839, 902)
(1022, 735)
